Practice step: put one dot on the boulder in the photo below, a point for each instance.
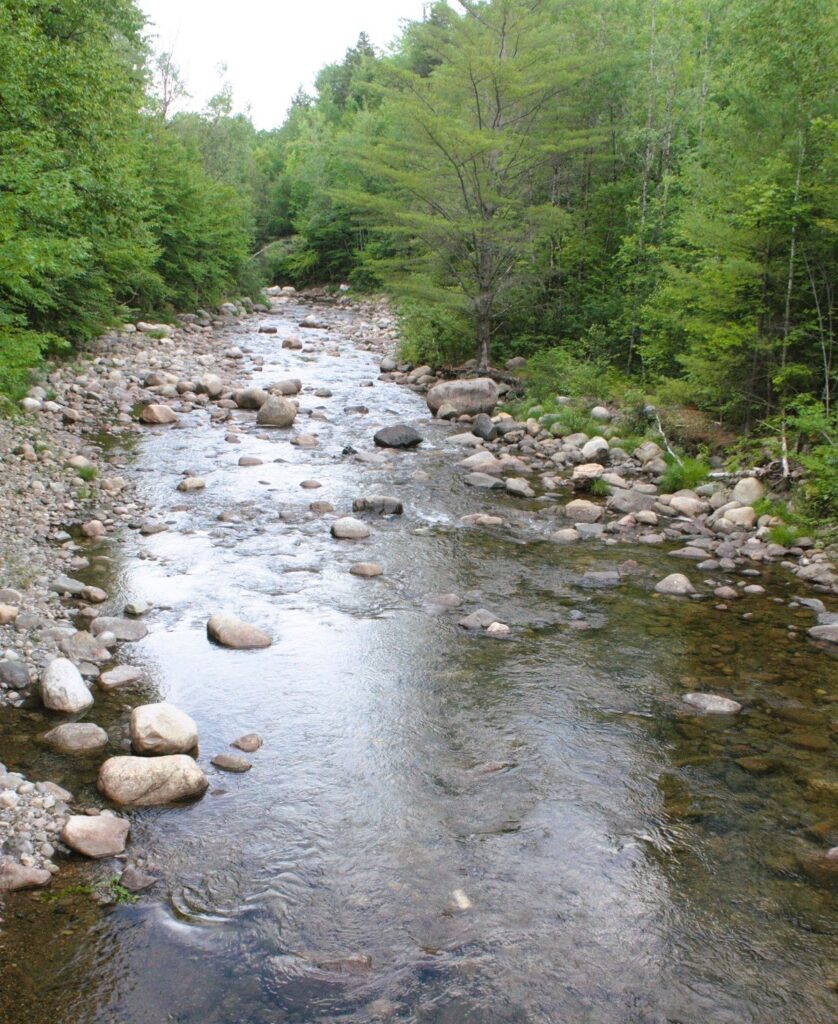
(676, 585)
(83, 646)
(231, 632)
(251, 398)
(366, 569)
(348, 528)
(381, 505)
(63, 689)
(483, 427)
(595, 450)
(231, 763)
(581, 511)
(276, 412)
(744, 517)
(210, 385)
(157, 415)
(469, 397)
(249, 743)
(100, 835)
(629, 501)
(398, 436)
(149, 781)
(162, 729)
(748, 490)
(76, 738)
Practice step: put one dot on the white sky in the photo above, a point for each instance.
(270, 49)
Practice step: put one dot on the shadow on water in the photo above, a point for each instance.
(520, 830)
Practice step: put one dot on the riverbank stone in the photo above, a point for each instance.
(398, 436)
(96, 836)
(151, 781)
(63, 689)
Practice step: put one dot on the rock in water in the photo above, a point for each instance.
(366, 569)
(154, 415)
(711, 704)
(14, 876)
(162, 729)
(381, 505)
(468, 397)
(76, 738)
(231, 763)
(350, 529)
(149, 781)
(676, 584)
(63, 689)
(398, 436)
(128, 630)
(101, 835)
(249, 743)
(231, 632)
(276, 412)
(122, 675)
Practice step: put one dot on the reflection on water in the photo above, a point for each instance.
(439, 827)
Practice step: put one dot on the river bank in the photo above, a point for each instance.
(489, 676)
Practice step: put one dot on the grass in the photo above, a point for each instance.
(684, 475)
(600, 489)
(87, 473)
(784, 535)
(110, 889)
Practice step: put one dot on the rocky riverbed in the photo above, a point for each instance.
(263, 579)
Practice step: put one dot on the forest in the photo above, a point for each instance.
(638, 196)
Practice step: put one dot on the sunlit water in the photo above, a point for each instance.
(521, 830)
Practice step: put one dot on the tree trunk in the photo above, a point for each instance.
(484, 340)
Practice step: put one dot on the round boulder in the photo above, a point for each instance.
(348, 528)
(276, 412)
(76, 738)
(231, 632)
(63, 689)
(676, 585)
(162, 729)
(398, 436)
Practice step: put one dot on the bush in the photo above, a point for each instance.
(683, 475)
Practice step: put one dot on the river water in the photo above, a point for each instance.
(440, 827)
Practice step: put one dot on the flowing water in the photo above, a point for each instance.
(520, 830)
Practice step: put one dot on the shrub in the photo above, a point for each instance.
(683, 475)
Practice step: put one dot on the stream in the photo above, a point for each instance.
(441, 827)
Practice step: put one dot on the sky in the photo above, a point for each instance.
(270, 48)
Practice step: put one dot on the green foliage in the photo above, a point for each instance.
(86, 473)
(683, 475)
(816, 434)
(556, 371)
(784, 534)
(600, 489)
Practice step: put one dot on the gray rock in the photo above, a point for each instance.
(149, 781)
(83, 646)
(483, 427)
(122, 675)
(379, 504)
(127, 630)
(581, 511)
(481, 619)
(276, 412)
(251, 398)
(249, 743)
(398, 436)
(828, 633)
(367, 570)
(156, 415)
(14, 876)
(484, 482)
(748, 490)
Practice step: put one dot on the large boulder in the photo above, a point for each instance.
(162, 729)
(158, 415)
(676, 585)
(468, 397)
(63, 689)
(100, 835)
(149, 781)
(251, 398)
(398, 436)
(748, 490)
(276, 412)
(232, 632)
(381, 505)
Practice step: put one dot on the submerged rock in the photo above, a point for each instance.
(676, 585)
(231, 763)
(712, 704)
(76, 738)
